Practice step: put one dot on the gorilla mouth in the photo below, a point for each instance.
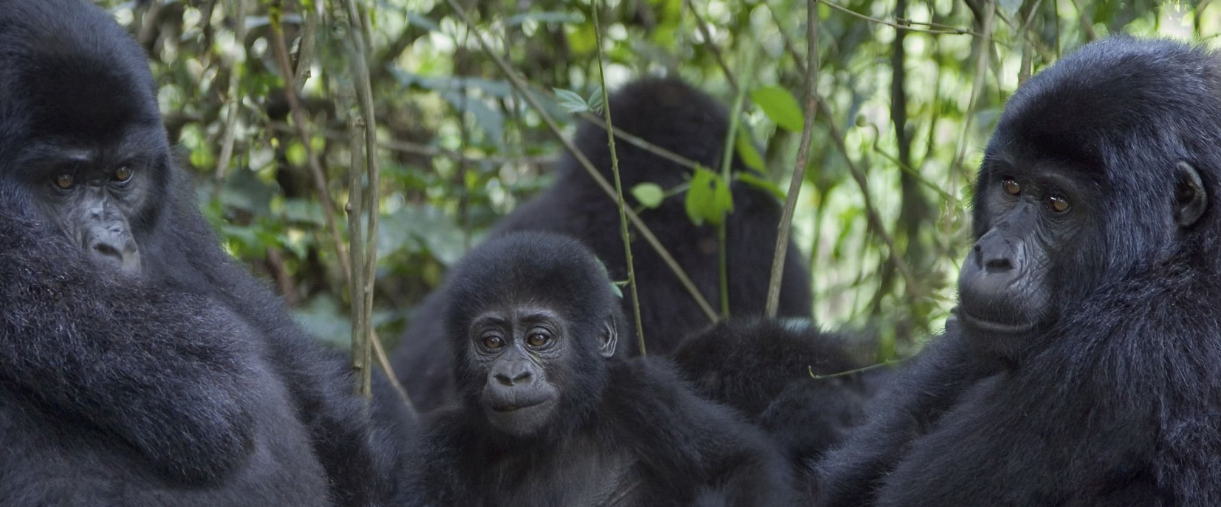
(513, 407)
(991, 325)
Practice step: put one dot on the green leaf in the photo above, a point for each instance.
(595, 101)
(616, 290)
(570, 101)
(779, 105)
(747, 152)
(761, 184)
(648, 195)
(708, 199)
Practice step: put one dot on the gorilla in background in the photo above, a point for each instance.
(138, 364)
(763, 368)
(1084, 369)
(677, 117)
(550, 416)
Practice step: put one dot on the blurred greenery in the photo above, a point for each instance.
(904, 83)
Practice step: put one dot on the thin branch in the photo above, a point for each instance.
(977, 84)
(642, 144)
(610, 139)
(1086, 23)
(735, 114)
(299, 121)
(425, 150)
(903, 24)
(235, 99)
(305, 49)
(356, 238)
(606, 187)
(799, 169)
(716, 52)
(788, 42)
(871, 213)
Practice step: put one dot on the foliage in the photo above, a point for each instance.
(460, 148)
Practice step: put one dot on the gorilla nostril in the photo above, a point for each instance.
(521, 377)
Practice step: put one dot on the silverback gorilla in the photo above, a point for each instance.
(139, 366)
(677, 117)
(549, 416)
(1084, 369)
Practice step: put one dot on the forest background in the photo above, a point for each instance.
(909, 90)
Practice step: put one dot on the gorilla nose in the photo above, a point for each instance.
(512, 378)
(993, 260)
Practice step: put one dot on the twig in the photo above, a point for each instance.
(716, 52)
(788, 42)
(356, 238)
(799, 169)
(610, 139)
(871, 213)
(299, 121)
(235, 99)
(735, 113)
(606, 187)
(977, 84)
(305, 50)
(1086, 23)
(421, 149)
(642, 144)
(900, 26)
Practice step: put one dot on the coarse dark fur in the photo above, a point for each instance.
(1117, 401)
(677, 117)
(763, 368)
(625, 430)
(184, 382)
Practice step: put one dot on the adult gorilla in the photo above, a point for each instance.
(1085, 370)
(677, 117)
(141, 366)
(550, 416)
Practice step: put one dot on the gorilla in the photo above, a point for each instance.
(1083, 367)
(763, 368)
(670, 114)
(138, 364)
(549, 415)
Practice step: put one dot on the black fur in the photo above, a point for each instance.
(626, 430)
(672, 115)
(1117, 402)
(183, 384)
(763, 367)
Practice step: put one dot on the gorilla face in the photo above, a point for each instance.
(91, 151)
(523, 351)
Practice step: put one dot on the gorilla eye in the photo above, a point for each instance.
(537, 339)
(492, 342)
(122, 174)
(1057, 204)
(64, 181)
(1011, 187)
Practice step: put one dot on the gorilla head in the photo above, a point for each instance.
(1093, 169)
(83, 139)
(532, 317)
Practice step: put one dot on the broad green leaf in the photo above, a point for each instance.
(570, 101)
(779, 105)
(747, 152)
(708, 199)
(595, 101)
(648, 195)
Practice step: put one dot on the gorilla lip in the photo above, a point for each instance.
(513, 407)
(992, 325)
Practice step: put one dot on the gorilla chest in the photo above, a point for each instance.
(576, 473)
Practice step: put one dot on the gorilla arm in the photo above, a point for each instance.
(163, 371)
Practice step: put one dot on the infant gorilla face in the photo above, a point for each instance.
(514, 346)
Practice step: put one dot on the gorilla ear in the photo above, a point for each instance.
(1190, 198)
(610, 337)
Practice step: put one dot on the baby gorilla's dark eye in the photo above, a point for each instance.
(64, 181)
(493, 342)
(1011, 187)
(538, 339)
(1057, 204)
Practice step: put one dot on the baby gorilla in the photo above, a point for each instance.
(549, 415)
